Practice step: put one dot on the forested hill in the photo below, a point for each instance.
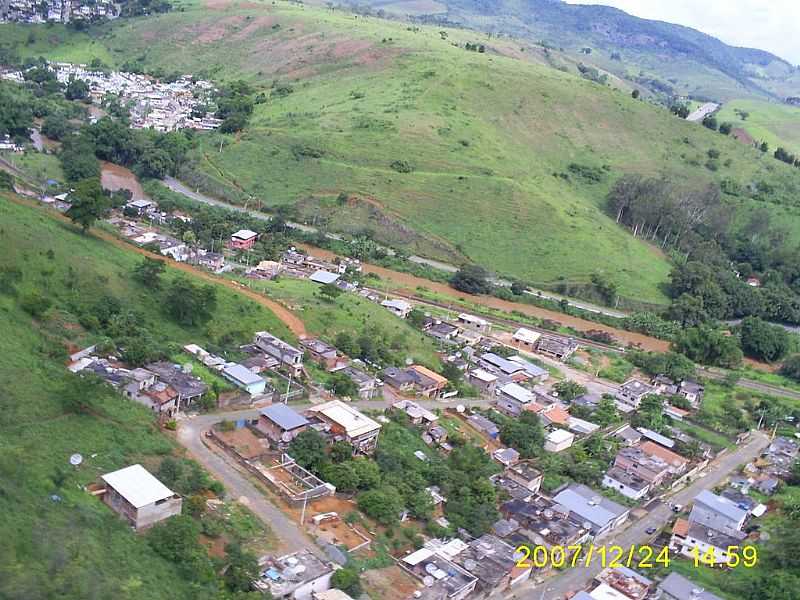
(684, 59)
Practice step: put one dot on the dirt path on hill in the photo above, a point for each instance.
(295, 325)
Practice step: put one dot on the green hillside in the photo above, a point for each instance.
(58, 541)
(777, 124)
(458, 155)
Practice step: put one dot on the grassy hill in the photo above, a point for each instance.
(662, 56)
(58, 541)
(777, 124)
(492, 157)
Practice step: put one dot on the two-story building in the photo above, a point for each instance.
(348, 424)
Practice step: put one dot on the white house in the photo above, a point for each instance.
(558, 440)
(139, 497)
(399, 307)
(626, 483)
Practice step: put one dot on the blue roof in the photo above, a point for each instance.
(284, 417)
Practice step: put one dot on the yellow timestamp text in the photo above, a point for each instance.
(575, 555)
(732, 557)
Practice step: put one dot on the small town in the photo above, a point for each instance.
(153, 104)
(399, 300)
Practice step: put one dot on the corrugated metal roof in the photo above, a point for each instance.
(137, 486)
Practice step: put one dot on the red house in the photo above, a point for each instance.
(244, 239)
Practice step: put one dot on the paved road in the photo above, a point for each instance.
(191, 434)
(578, 578)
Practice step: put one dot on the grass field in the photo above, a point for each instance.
(776, 124)
(348, 313)
(452, 154)
(58, 540)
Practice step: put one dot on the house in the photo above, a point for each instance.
(627, 435)
(322, 353)
(768, 486)
(367, 385)
(296, 576)
(545, 522)
(630, 394)
(214, 261)
(444, 332)
(525, 339)
(244, 239)
(324, 277)
(290, 357)
(349, 424)
(428, 383)
(558, 440)
(281, 424)
(474, 323)
(656, 437)
(626, 581)
(512, 399)
(442, 578)
(161, 398)
(510, 488)
(175, 249)
(740, 483)
(400, 379)
(483, 380)
(557, 347)
(397, 306)
(741, 500)
(677, 587)
(626, 483)
(259, 363)
(139, 207)
(438, 434)
(689, 538)
(717, 512)
(244, 378)
(650, 468)
(581, 427)
(526, 475)
(493, 562)
(416, 414)
(676, 413)
(506, 456)
(534, 372)
(269, 269)
(189, 387)
(483, 424)
(139, 497)
(507, 369)
(692, 391)
(677, 464)
(555, 414)
(602, 514)
(589, 401)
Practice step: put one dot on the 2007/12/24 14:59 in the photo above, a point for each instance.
(643, 557)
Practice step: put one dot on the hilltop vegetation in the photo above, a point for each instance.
(662, 57)
(403, 133)
(59, 541)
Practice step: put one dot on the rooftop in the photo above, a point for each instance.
(526, 335)
(558, 436)
(589, 504)
(634, 387)
(137, 486)
(721, 505)
(414, 410)
(242, 374)
(283, 575)
(317, 346)
(627, 478)
(482, 375)
(244, 234)
(678, 587)
(506, 366)
(627, 581)
(284, 417)
(656, 437)
(324, 277)
(351, 420)
(518, 393)
(653, 449)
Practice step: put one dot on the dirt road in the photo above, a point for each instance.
(410, 282)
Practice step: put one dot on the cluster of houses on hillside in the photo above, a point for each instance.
(163, 387)
(56, 11)
(153, 104)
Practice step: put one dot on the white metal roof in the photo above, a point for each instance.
(352, 421)
(483, 375)
(417, 557)
(244, 234)
(324, 277)
(518, 393)
(559, 435)
(137, 486)
(526, 335)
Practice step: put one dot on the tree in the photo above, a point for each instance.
(650, 413)
(55, 126)
(635, 94)
(763, 341)
(687, 310)
(89, 203)
(149, 271)
(340, 451)
(606, 413)
(725, 128)
(176, 540)
(710, 122)
(6, 181)
(77, 89)
(383, 504)
(369, 474)
(189, 303)
(471, 279)
(347, 580)
(330, 291)
(80, 393)
(791, 368)
(308, 449)
(518, 288)
(35, 304)
(341, 385)
(242, 568)
(605, 287)
(170, 471)
(342, 475)
(709, 346)
(525, 434)
(569, 390)
(416, 318)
